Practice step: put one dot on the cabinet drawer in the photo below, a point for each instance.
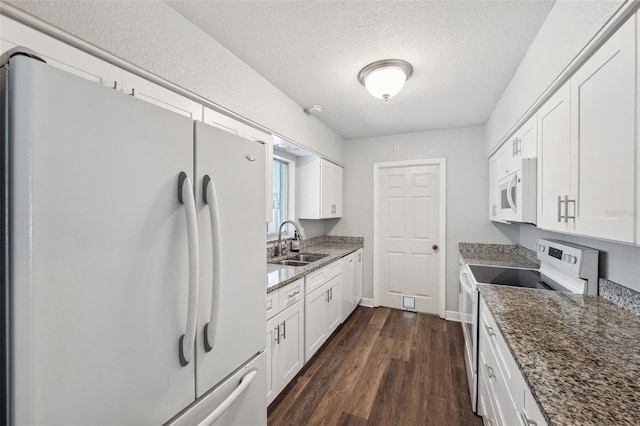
(486, 404)
(504, 360)
(290, 294)
(334, 269)
(272, 304)
(316, 279)
(505, 406)
(531, 410)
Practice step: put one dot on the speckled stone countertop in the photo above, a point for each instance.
(580, 355)
(510, 256)
(334, 247)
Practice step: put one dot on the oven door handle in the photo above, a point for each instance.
(464, 285)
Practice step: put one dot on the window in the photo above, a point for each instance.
(282, 202)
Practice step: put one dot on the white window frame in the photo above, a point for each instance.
(291, 191)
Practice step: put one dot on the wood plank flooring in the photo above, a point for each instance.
(383, 367)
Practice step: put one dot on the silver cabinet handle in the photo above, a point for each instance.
(526, 420)
(560, 201)
(331, 293)
(277, 331)
(284, 330)
(489, 330)
(566, 209)
(294, 294)
(328, 296)
(187, 340)
(490, 372)
(359, 257)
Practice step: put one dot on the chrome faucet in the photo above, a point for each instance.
(278, 250)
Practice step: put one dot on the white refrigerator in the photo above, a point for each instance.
(127, 231)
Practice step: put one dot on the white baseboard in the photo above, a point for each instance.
(452, 316)
(366, 302)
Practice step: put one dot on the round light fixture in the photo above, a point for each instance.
(384, 79)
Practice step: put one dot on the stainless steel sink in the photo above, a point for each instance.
(288, 262)
(301, 259)
(307, 257)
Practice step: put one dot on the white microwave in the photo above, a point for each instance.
(516, 195)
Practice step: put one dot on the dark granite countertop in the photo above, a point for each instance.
(335, 247)
(510, 256)
(579, 354)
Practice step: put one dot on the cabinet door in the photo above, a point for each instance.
(58, 54)
(554, 159)
(158, 95)
(272, 359)
(527, 139)
(334, 306)
(291, 357)
(603, 138)
(348, 285)
(331, 189)
(315, 323)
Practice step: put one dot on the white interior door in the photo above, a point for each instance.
(99, 253)
(232, 283)
(409, 231)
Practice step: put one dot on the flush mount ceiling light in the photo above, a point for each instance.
(384, 79)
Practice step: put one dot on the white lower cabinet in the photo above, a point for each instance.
(503, 398)
(285, 338)
(351, 282)
(323, 314)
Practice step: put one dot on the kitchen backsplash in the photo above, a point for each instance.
(498, 251)
(622, 296)
(285, 244)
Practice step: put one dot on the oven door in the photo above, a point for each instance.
(468, 310)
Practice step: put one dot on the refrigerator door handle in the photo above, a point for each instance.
(245, 381)
(187, 340)
(210, 197)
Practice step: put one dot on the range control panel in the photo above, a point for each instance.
(567, 256)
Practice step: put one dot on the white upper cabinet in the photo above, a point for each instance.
(586, 138)
(58, 54)
(523, 144)
(319, 189)
(231, 125)
(153, 93)
(554, 160)
(603, 100)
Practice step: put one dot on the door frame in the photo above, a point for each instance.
(442, 233)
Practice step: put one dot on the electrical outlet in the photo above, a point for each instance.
(396, 146)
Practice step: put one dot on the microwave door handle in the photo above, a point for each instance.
(513, 182)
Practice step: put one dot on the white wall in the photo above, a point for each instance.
(467, 192)
(566, 31)
(153, 36)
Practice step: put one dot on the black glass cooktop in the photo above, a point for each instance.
(509, 276)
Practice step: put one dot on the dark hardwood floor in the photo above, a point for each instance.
(383, 367)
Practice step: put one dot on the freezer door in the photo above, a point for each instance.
(232, 252)
(239, 400)
(98, 253)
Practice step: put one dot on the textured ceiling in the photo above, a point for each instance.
(464, 54)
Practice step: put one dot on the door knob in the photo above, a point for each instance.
(434, 247)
